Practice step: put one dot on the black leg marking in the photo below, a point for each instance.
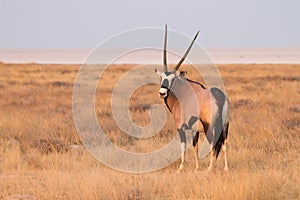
(205, 126)
(182, 135)
(208, 131)
(226, 130)
(195, 140)
(192, 121)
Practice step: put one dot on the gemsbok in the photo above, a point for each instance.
(191, 102)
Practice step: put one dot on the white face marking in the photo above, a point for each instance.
(169, 77)
(165, 84)
(162, 92)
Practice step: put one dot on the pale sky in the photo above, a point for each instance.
(73, 24)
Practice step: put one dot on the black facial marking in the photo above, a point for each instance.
(165, 83)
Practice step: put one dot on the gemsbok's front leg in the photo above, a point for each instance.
(182, 146)
(195, 144)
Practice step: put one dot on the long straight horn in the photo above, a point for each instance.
(186, 53)
(165, 66)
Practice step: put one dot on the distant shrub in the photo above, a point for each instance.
(242, 103)
(291, 123)
(50, 145)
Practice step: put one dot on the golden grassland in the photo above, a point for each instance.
(41, 156)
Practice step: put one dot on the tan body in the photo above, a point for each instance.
(204, 102)
(190, 102)
(188, 99)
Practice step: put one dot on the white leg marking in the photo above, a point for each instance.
(196, 156)
(182, 145)
(211, 161)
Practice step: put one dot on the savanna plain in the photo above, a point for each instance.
(42, 157)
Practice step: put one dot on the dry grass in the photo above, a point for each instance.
(39, 159)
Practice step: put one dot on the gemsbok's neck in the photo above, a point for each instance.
(182, 88)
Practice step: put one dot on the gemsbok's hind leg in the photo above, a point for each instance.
(212, 155)
(195, 144)
(224, 147)
(209, 135)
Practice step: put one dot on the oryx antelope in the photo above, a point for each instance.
(190, 101)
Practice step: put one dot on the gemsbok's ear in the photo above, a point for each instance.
(158, 72)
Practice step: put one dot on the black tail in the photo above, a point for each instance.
(221, 140)
(221, 130)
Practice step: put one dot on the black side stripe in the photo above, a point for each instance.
(165, 100)
(196, 83)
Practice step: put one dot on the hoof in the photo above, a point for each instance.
(180, 168)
